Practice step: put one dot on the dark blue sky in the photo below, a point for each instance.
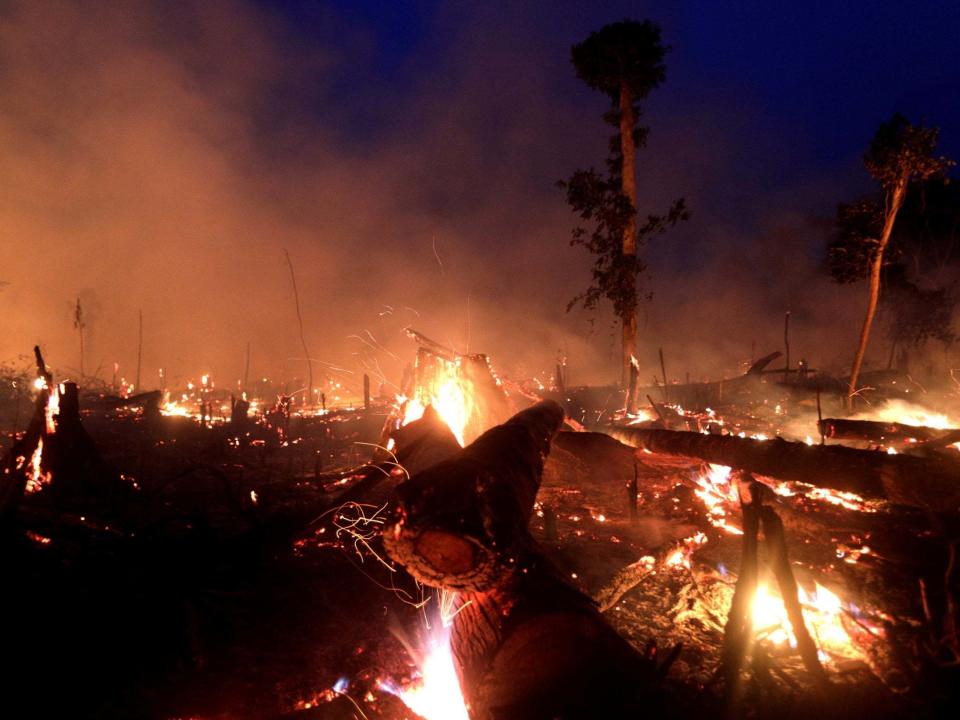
(829, 70)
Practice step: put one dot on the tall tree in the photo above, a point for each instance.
(624, 61)
(899, 154)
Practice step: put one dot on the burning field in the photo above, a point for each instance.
(477, 547)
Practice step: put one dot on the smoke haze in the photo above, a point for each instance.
(162, 156)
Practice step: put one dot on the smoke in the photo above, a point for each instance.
(159, 157)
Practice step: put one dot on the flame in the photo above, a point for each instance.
(716, 490)
(434, 693)
(437, 695)
(823, 612)
(446, 392)
(37, 479)
(905, 413)
(52, 410)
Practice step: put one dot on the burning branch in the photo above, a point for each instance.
(924, 482)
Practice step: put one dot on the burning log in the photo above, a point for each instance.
(526, 643)
(924, 482)
(462, 387)
(843, 429)
(463, 521)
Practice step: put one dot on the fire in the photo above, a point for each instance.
(906, 413)
(446, 392)
(716, 490)
(37, 478)
(434, 693)
(824, 614)
(52, 410)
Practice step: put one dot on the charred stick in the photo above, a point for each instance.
(736, 637)
(777, 542)
(663, 371)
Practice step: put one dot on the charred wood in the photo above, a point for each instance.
(525, 642)
(462, 521)
(932, 483)
(843, 429)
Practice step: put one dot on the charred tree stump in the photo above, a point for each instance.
(462, 521)
(526, 643)
(238, 414)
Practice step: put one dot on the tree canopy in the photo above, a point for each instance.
(628, 52)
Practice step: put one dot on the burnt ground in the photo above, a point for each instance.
(188, 596)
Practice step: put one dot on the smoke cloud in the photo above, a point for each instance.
(160, 157)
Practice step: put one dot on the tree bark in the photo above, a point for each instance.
(929, 483)
(461, 523)
(525, 642)
(629, 247)
(840, 429)
(876, 268)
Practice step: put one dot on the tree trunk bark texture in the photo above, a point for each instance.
(526, 643)
(629, 187)
(876, 268)
(924, 482)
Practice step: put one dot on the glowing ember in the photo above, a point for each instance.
(680, 555)
(716, 490)
(52, 410)
(37, 479)
(642, 415)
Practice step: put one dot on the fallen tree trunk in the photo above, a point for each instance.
(843, 429)
(526, 643)
(932, 483)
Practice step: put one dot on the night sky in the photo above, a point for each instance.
(162, 155)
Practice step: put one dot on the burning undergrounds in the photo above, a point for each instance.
(475, 547)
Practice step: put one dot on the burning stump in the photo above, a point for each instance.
(526, 643)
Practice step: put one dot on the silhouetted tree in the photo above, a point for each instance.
(899, 154)
(624, 61)
(80, 324)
